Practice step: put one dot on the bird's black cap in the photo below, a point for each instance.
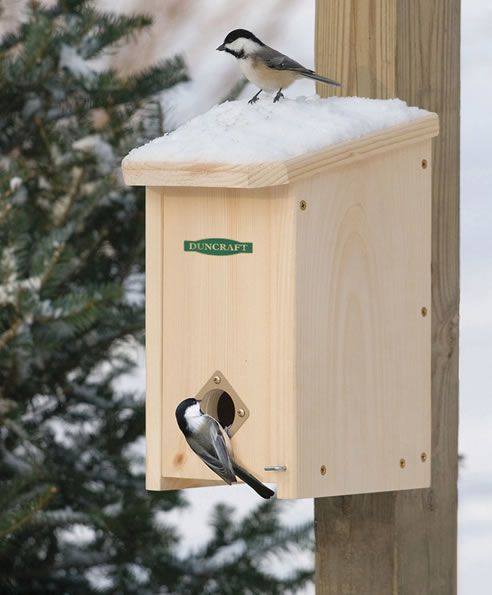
(241, 33)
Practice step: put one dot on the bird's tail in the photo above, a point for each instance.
(310, 74)
(260, 488)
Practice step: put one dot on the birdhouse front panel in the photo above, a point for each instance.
(220, 307)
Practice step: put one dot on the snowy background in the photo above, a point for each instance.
(475, 485)
(195, 28)
(198, 26)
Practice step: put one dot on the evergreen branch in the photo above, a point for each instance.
(17, 429)
(6, 407)
(88, 255)
(5, 204)
(10, 333)
(28, 511)
(7, 41)
(5, 208)
(10, 489)
(84, 394)
(260, 536)
(36, 41)
(62, 217)
(110, 29)
(44, 137)
(106, 88)
(61, 518)
(55, 256)
(83, 560)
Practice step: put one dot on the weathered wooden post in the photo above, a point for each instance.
(404, 542)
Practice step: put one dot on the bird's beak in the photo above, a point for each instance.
(221, 48)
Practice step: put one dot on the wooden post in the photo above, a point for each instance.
(404, 542)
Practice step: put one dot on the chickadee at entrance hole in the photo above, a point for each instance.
(219, 405)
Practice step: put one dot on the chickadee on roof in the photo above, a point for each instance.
(208, 439)
(265, 67)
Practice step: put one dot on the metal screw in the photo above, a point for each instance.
(423, 457)
(217, 379)
(424, 163)
(323, 470)
(403, 463)
(241, 412)
(276, 468)
(303, 205)
(423, 311)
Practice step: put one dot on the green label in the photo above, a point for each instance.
(218, 247)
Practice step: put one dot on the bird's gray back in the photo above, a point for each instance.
(278, 61)
(211, 446)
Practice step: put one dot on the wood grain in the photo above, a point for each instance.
(356, 45)
(428, 67)
(144, 173)
(319, 330)
(405, 542)
(363, 255)
(234, 314)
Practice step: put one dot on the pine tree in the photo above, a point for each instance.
(74, 515)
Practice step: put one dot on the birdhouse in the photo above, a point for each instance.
(293, 297)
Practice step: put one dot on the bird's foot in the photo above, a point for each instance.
(278, 96)
(255, 98)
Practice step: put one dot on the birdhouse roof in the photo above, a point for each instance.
(238, 145)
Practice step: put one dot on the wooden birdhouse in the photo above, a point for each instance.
(294, 298)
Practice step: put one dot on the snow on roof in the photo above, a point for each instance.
(236, 132)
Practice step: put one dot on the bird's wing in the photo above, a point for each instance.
(217, 457)
(222, 445)
(279, 61)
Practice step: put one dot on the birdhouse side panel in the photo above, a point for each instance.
(363, 338)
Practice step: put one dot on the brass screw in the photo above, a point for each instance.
(303, 205)
(424, 163)
(241, 412)
(403, 463)
(423, 457)
(323, 470)
(423, 311)
(217, 379)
